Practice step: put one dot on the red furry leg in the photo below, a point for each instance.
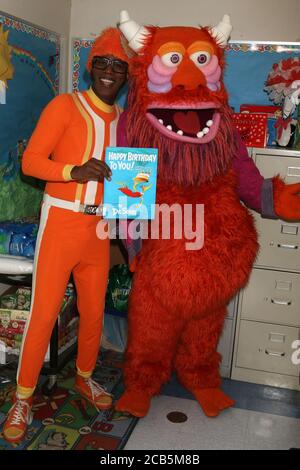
(212, 401)
(197, 362)
(135, 403)
(153, 336)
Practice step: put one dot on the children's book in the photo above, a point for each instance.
(131, 193)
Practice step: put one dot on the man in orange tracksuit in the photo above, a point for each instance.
(74, 129)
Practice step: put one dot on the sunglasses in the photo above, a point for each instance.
(101, 63)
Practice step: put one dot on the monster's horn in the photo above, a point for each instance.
(222, 31)
(133, 32)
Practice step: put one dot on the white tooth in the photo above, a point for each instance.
(180, 132)
(205, 130)
(160, 121)
(200, 135)
(169, 128)
(209, 123)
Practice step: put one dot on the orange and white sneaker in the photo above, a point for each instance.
(18, 419)
(93, 392)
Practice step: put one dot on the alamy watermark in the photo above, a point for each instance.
(179, 222)
(296, 354)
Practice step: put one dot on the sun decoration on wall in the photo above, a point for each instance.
(6, 67)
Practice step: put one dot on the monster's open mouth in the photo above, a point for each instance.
(197, 124)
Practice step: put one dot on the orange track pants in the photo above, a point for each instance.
(67, 243)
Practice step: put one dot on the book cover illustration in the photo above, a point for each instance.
(131, 193)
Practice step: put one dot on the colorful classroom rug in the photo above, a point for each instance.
(66, 421)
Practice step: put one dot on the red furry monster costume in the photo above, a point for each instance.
(177, 103)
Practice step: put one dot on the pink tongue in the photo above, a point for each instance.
(187, 121)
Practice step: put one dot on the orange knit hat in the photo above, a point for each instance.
(110, 42)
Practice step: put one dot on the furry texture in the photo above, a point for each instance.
(179, 297)
(183, 163)
(178, 300)
(286, 199)
(108, 43)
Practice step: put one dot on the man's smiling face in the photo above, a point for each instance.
(109, 74)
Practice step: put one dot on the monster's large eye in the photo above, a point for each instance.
(200, 58)
(172, 59)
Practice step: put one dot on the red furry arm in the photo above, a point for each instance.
(249, 178)
(286, 199)
(271, 197)
(255, 191)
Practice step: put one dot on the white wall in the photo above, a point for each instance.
(268, 20)
(51, 14)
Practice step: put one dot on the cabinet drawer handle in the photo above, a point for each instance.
(281, 302)
(274, 353)
(287, 247)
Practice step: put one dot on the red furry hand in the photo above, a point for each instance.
(286, 200)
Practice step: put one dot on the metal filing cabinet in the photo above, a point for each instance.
(268, 319)
(225, 347)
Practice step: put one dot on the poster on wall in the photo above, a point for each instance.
(248, 66)
(29, 79)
